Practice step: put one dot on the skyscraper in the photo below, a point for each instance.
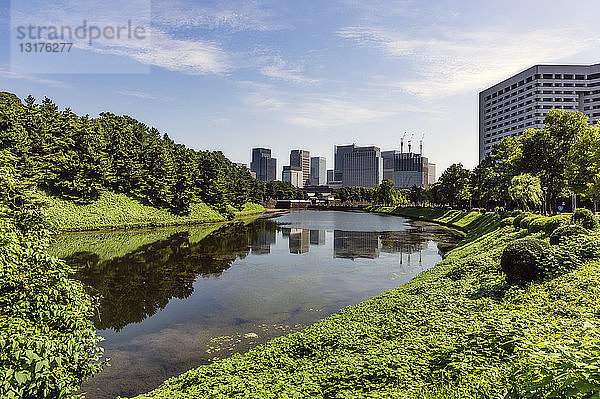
(263, 165)
(363, 167)
(522, 101)
(407, 169)
(339, 152)
(318, 171)
(301, 159)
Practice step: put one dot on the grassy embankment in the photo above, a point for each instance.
(112, 210)
(458, 330)
(471, 223)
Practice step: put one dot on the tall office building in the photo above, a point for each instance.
(339, 152)
(301, 159)
(263, 165)
(407, 169)
(431, 178)
(330, 175)
(293, 175)
(318, 171)
(522, 101)
(363, 167)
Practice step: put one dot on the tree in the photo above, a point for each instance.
(526, 189)
(545, 152)
(454, 185)
(385, 192)
(583, 170)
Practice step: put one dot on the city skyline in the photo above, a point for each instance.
(229, 76)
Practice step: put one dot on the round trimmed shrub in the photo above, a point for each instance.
(569, 230)
(555, 222)
(538, 224)
(518, 218)
(585, 217)
(507, 221)
(528, 219)
(521, 259)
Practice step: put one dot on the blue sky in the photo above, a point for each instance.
(232, 75)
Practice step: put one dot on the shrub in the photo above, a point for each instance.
(518, 218)
(507, 221)
(554, 222)
(527, 220)
(585, 217)
(569, 230)
(48, 344)
(520, 259)
(538, 224)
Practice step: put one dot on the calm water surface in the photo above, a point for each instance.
(176, 298)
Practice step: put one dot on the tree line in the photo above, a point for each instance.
(542, 165)
(383, 193)
(79, 156)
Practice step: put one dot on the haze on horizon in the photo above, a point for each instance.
(230, 76)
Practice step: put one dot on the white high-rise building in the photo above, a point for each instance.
(318, 171)
(522, 101)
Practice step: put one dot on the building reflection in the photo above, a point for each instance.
(261, 244)
(317, 237)
(356, 244)
(299, 241)
(363, 244)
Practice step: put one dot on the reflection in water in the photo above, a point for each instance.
(169, 296)
(138, 284)
(317, 237)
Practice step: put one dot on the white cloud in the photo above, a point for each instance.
(317, 111)
(281, 70)
(452, 61)
(32, 78)
(230, 16)
(143, 95)
(329, 113)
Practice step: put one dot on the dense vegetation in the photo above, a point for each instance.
(48, 344)
(542, 165)
(459, 330)
(383, 193)
(79, 157)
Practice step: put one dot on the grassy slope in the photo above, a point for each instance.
(455, 331)
(473, 224)
(112, 210)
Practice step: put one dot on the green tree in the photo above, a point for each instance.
(385, 192)
(526, 189)
(454, 185)
(583, 170)
(546, 152)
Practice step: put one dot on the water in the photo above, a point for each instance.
(176, 298)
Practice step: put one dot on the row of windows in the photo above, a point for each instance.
(557, 76)
(537, 100)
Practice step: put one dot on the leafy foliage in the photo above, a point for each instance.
(78, 157)
(570, 230)
(585, 217)
(525, 190)
(520, 259)
(48, 344)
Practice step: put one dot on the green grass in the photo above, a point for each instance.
(472, 223)
(457, 330)
(112, 210)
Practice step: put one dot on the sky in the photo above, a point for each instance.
(232, 75)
